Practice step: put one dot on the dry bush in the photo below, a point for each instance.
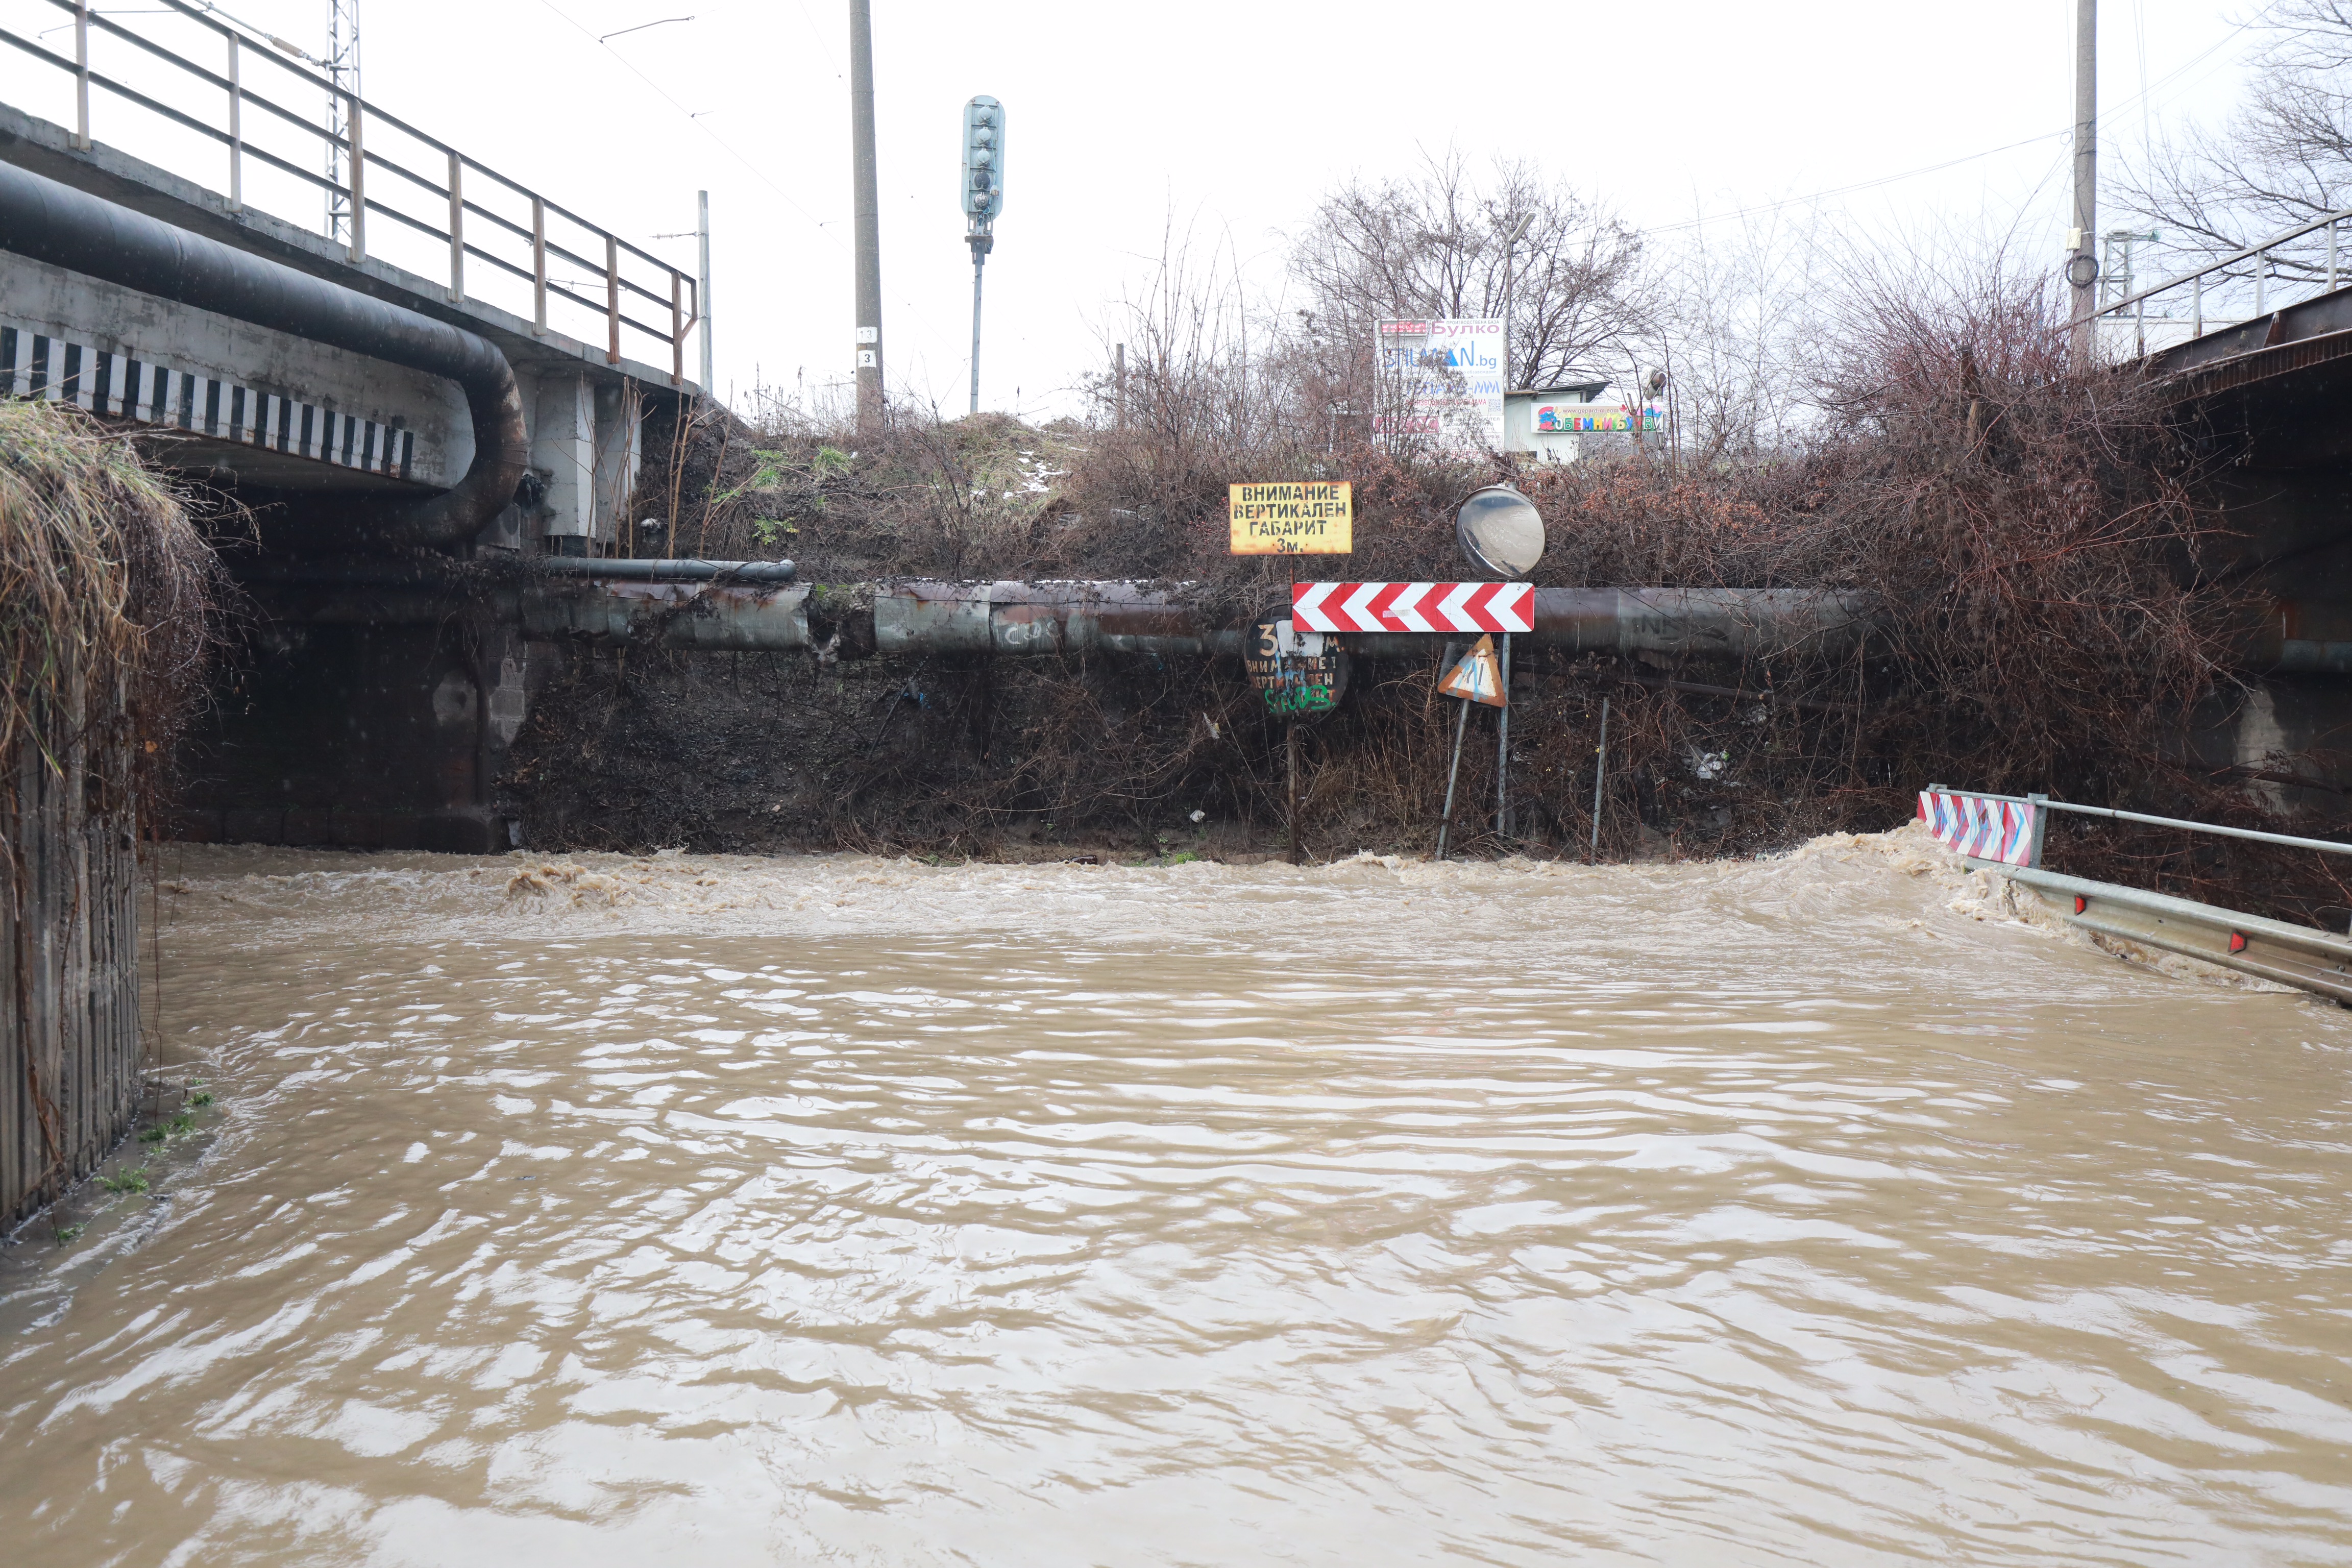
(106, 595)
(2031, 538)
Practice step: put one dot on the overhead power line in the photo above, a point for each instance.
(2138, 100)
(640, 26)
(693, 119)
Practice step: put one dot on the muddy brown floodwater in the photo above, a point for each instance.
(1815, 1211)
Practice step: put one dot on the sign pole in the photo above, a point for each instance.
(1503, 749)
(1290, 737)
(1452, 773)
(1290, 744)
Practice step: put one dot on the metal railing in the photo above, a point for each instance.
(2260, 264)
(2044, 801)
(517, 245)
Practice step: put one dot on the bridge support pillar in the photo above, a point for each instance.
(563, 450)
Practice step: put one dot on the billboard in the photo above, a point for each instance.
(1442, 380)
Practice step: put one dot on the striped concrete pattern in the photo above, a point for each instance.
(34, 364)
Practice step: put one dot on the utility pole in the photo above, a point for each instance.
(1512, 232)
(983, 198)
(702, 231)
(342, 69)
(868, 218)
(2082, 266)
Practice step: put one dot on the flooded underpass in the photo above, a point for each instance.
(1819, 1211)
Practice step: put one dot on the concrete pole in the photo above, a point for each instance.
(2081, 268)
(702, 229)
(868, 218)
(1512, 231)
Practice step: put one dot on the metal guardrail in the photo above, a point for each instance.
(2309, 960)
(509, 246)
(2263, 254)
(2300, 956)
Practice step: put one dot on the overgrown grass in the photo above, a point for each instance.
(106, 590)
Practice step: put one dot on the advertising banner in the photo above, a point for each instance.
(1588, 418)
(1443, 380)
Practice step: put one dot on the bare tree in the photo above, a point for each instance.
(1434, 244)
(1743, 316)
(2283, 159)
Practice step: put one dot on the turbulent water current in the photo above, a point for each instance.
(1824, 1210)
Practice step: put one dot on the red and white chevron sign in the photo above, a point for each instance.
(1982, 829)
(1413, 606)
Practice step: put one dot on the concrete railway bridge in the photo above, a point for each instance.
(373, 342)
(429, 383)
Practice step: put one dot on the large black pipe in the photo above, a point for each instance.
(51, 221)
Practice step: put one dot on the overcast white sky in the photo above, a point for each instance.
(1228, 118)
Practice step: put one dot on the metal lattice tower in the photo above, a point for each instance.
(342, 63)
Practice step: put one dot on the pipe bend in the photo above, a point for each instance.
(50, 221)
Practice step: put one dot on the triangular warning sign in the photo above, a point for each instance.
(1478, 677)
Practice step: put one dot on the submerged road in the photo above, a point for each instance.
(1817, 1211)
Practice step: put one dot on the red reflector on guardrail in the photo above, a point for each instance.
(2237, 941)
(2081, 903)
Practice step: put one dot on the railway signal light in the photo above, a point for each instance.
(983, 161)
(983, 198)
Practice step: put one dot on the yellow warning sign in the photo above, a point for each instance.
(1478, 677)
(1301, 517)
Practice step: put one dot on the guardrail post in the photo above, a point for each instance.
(612, 300)
(2041, 804)
(539, 264)
(359, 185)
(456, 229)
(676, 328)
(81, 76)
(235, 128)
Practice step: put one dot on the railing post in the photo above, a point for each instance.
(612, 300)
(2197, 306)
(235, 128)
(2140, 329)
(2331, 256)
(2261, 263)
(538, 263)
(676, 328)
(359, 185)
(456, 229)
(81, 75)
